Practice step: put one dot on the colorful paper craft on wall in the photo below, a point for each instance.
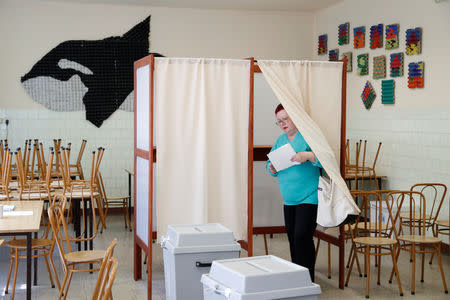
(363, 64)
(379, 67)
(392, 36)
(322, 48)
(343, 34)
(397, 64)
(333, 55)
(368, 95)
(359, 37)
(414, 41)
(349, 60)
(415, 75)
(376, 36)
(387, 91)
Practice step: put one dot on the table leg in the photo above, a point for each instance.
(91, 228)
(28, 265)
(35, 263)
(76, 219)
(129, 199)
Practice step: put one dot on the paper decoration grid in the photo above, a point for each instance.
(397, 64)
(343, 34)
(376, 36)
(359, 37)
(392, 36)
(349, 60)
(333, 55)
(414, 41)
(379, 67)
(387, 91)
(91, 75)
(322, 48)
(415, 75)
(368, 95)
(363, 64)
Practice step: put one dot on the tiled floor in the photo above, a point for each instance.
(126, 288)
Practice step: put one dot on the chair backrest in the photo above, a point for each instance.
(435, 195)
(6, 170)
(376, 218)
(59, 229)
(109, 277)
(103, 273)
(413, 206)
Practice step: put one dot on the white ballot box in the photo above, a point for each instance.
(188, 253)
(258, 278)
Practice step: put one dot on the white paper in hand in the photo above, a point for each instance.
(281, 157)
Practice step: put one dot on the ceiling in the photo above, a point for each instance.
(265, 5)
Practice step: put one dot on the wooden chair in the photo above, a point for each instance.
(413, 238)
(374, 237)
(5, 172)
(84, 189)
(113, 201)
(104, 273)
(71, 259)
(108, 281)
(77, 169)
(41, 247)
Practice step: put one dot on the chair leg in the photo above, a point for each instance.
(49, 272)
(63, 286)
(265, 244)
(317, 248)
(125, 213)
(16, 264)
(379, 265)
(11, 256)
(329, 261)
(422, 248)
(396, 258)
(68, 284)
(351, 267)
(394, 262)
(413, 280)
(54, 270)
(438, 250)
(367, 268)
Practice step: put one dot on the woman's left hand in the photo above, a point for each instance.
(301, 157)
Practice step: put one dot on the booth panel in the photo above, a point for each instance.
(142, 107)
(142, 192)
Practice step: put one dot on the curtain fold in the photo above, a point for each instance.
(202, 109)
(311, 94)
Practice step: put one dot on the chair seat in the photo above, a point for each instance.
(373, 226)
(81, 194)
(374, 241)
(14, 185)
(22, 243)
(405, 215)
(33, 196)
(419, 239)
(115, 198)
(445, 223)
(57, 184)
(85, 256)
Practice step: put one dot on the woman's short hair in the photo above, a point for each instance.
(279, 107)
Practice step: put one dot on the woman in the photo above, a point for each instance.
(298, 186)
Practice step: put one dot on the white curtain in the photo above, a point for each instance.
(202, 109)
(311, 94)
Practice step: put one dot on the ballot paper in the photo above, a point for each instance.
(281, 157)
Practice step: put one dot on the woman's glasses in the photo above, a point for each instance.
(282, 121)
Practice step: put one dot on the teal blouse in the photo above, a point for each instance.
(298, 184)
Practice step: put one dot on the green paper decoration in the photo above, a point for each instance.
(387, 91)
(368, 95)
(379, 67)
(363, 64)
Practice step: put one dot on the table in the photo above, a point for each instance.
(351, 176)
(23, 225)
(130, 173)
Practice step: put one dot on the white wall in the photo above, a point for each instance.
(29, 29)
(415, 131)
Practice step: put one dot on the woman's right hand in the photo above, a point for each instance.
(272, 168)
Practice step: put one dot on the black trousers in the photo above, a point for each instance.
(300, 222)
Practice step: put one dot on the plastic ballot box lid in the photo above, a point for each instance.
(266, 277)
(211, 237)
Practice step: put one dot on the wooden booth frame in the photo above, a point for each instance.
(255, 153)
